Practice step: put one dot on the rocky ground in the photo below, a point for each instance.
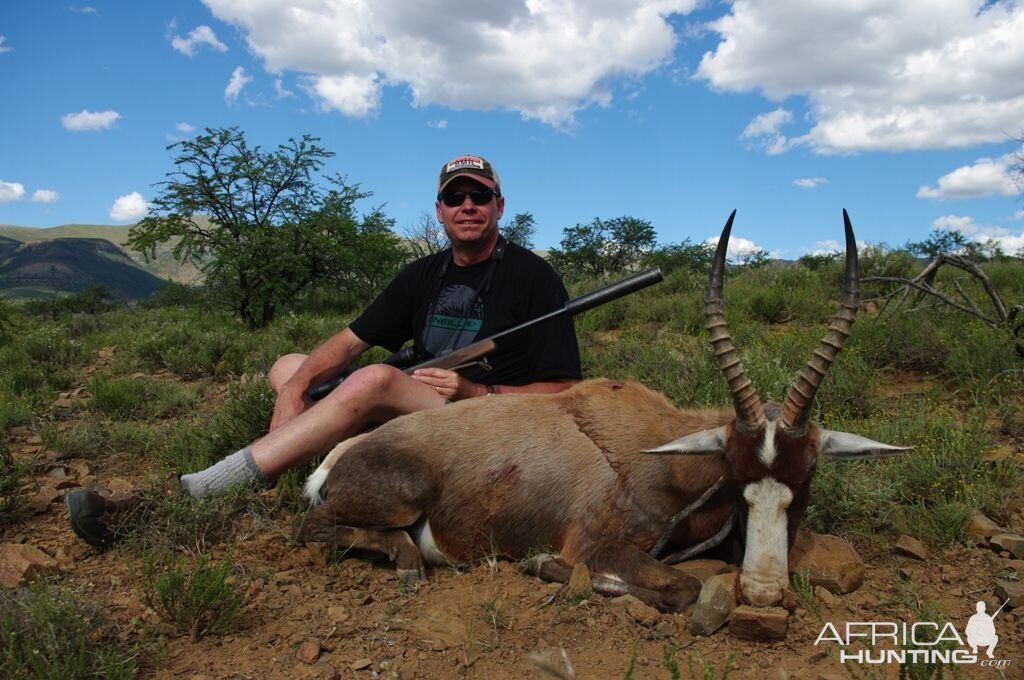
(307, 615)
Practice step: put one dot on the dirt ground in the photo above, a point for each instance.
(306, 616)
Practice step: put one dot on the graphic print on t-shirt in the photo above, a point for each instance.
(450, 324)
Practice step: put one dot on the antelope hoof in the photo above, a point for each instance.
(533, 565)
(409, 577)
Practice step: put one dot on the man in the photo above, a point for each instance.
(445, 301)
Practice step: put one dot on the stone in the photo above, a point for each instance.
(824, 596)
(41, 501)
(1011, 543)
(21, 563)
(715, 604)
(318, 553)
(580, 585)
(704, 569)
(981, 527)
(361, 664)
(308, 652)
(830, 561)
(912, 547)
(554, 663)
(337, 614)
(759, 624)
(1012, 591)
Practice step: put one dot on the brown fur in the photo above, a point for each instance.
(578, 484)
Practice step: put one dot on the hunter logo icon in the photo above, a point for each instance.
(981, 630)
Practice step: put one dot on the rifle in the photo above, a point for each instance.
(475, 352)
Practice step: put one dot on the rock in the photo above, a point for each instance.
(318, 553)
(337, 614)
(580, 585)
(21, 563)
(308, 652)
(759, 624)
(714, 605)
(1012, 591)
(824, 596)
(981, 527)
(1011, 543)
(40, 503)
(912, 547)
(361, 664)
(704, 569)
(643, 613)
(830, 562)
(553, 662)
(1016, 565)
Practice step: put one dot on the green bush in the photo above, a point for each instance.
(48, 633)
(199, 601)
(139, 398)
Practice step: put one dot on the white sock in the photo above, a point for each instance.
(238, 468)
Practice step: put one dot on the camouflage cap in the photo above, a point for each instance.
(477, 168)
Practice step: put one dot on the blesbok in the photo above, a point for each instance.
(574, 473)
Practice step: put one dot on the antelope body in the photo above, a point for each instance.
(577, 473)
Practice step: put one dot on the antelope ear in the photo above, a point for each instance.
(846, 446)
(698, 443)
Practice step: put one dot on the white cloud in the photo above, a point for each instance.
(85, 10)
(982, 233)
(738, 247)
(129, 208)
(199, 36)
(45, 196)
(986, 177)
(1019, 215)
(184, 128)
(4, 48)
(281, 90)
(238, 80)
(765, 128)
(545, 60)
(878, 75)
(810, 182)
(11, 191)
(440, 124)
(89, 120)
(829, 247)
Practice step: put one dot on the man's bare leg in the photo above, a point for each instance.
(371, 395)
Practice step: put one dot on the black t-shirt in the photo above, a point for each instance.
(427, 303)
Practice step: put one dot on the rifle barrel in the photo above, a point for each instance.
(594, 298)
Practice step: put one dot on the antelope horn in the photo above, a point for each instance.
(749, 414)
(796, 409)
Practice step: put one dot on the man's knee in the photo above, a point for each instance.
(376, 379)
(283, 369)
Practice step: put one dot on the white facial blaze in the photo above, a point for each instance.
(765, 562)
(767, 451)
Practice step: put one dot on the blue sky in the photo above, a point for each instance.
(673, 111)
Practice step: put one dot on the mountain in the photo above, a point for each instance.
(70, 265)
(163, 265)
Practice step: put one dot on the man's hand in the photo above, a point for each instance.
(449, 384)
(288, 405)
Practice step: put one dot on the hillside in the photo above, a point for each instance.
(163, 266)
(70, 265)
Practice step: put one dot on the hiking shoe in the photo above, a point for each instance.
(98, 517)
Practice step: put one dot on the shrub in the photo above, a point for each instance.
(199, 601)
(49, 633)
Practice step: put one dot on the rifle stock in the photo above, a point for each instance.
(481, 348)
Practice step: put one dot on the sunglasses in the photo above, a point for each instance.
(453, 199)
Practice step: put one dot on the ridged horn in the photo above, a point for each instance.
(749, 414)
(796, 409)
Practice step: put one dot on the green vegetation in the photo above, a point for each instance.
(196, 601)
(263, 229)
(47, 632)
(178, 383)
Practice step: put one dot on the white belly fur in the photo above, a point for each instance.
(424, 540)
